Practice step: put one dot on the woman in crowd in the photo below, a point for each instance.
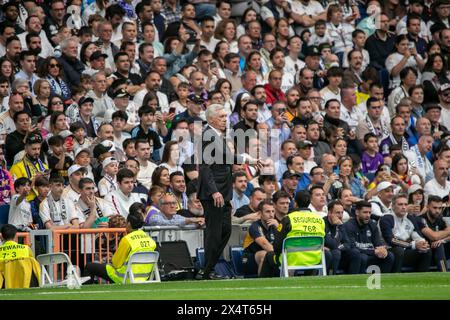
(253, 63)
(408, 78)
(248, 16)
(42, 91)
(435, 74)
(86, 50)
(52, 71)
(6, 69)
(401, 172)
(171, 156)
(225, 87)
(226, 31)
(404, 56)
(161, 178)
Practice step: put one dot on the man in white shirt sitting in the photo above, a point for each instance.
(439, 185)
(57, 211)
(93, 211)
(123, 198)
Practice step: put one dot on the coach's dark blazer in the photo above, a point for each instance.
(215, 174)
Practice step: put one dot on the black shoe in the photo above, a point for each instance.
(214, 276)
(200, 275)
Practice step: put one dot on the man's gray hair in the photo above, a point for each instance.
(212, 110)
(19, 82)
(94, 76)
(63, 44)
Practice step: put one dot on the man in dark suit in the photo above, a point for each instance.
(215, 187)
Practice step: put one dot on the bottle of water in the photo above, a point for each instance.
(72, 283)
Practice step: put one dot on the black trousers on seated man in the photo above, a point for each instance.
(385, 264)
(420, 261)
(348, 260)
(217, 232)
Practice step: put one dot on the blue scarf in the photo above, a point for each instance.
(59, 87)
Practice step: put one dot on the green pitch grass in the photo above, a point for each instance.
(393, 286)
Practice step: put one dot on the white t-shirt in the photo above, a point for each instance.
(62, 213)
(84, 211)
(120, 202)
(392, 60)
(145, 174)
(432, 187)
(19, 214)
(107, 185)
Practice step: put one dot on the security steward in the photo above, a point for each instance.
(302, 222)
(136, 240)
(18, 267)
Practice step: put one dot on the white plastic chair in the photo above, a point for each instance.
(143, 257)
(302, 244)
(49, 260)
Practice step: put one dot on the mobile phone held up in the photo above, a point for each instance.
(336, 170)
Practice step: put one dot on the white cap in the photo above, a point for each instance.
(79, 150)
(109, 144)
(65, 133)
(74, 168)
(414, 188)
(384, 185)
(108, 161)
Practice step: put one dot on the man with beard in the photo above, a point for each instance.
(33, 24)
(363, 234)
(31, 166)
(34, 45)
(304, 111)
(354, 71)
(11, 14)
(305, 81)
(312, 61)
(292, 97)
(278, 63)
(13, 49)
(333, 122)
(259, 94)
(194, 205)
(152, 84)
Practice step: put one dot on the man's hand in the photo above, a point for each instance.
(90, 201)
(218, 199)
(381, 252)
(422, 245)
(436, 243)
(273, 222)
(253, 216)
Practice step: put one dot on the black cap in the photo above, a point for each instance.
(195, 98)
(121, 93)
(312, 51)
(431, 106)
(99, 150)
(9, 4)
(84, 100)
(34, 138)
(97, 54)
(289, 174)
(437, 27)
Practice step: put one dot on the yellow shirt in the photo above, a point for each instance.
(27, 169)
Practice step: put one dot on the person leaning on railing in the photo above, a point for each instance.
(136, 240)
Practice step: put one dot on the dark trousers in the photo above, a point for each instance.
(97, 269)
(411, 258)
(439, 258)
(349, 260)
(385, 264)
(269, 268)
(217, 232)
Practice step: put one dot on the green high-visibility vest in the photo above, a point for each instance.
(138, 241)
(305, 223)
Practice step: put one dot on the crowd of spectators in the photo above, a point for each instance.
(343, 102)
